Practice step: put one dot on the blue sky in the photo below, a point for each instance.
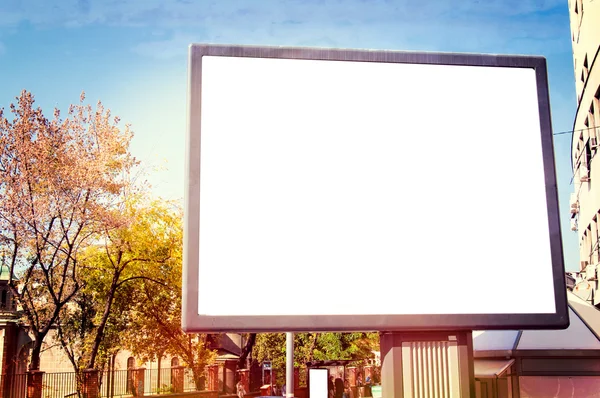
(132, 55)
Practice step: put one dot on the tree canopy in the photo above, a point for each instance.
(145, 247)
(309, 347)
(59, 180)
(155, 325)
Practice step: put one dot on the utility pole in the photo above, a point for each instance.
(289, 365)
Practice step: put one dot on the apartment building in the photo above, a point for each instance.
(585, 200)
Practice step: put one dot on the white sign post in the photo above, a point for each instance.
(317, 387)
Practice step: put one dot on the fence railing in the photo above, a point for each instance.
(13, 386)
(59, 385)
(113, 384)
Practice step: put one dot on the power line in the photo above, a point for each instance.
(563, 132)
(572, 131)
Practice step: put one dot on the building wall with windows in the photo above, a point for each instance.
(585, 200)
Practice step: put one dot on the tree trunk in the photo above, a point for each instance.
(36, 351)
(312, 347)
(197, 378)
(112, 373)
(102, 326)
(246, 351)
(158, 386)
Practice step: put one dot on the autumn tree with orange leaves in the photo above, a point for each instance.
(60, 181)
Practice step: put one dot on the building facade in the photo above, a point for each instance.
(585, 200)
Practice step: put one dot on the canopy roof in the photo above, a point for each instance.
(582, 334)
(492, 367)
(334, 362)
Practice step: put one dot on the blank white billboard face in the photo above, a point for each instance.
(368, 191)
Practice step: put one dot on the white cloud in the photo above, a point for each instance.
(545, 36)
(179, 13)
(433, 25)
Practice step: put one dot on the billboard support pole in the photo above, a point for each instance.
(289, 365)
(421, 363)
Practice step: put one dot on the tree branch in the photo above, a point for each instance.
(141, 277)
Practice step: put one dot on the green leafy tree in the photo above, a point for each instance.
(271, 347)
(142, 248)
(348, 346)
(155, 325)
(314, 346)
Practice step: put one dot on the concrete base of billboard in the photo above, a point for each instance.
(425, 364)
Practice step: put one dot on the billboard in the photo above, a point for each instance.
(338, 190)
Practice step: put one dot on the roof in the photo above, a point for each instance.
(491, 367)
(4, 272)
(333, 362)
(223, 355)
(582, 334)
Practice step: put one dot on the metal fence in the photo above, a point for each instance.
(115, 384)
(13, 386)
(59, 385)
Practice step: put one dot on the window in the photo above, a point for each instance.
(582, 160)
(130, 363)
(595, 110)
(579, 10)
(585, 162)
(174, 362)
(588, 243)
(591, 123)
(585, 69)
(592, 126)
(594, 241)
(585, 249)
(547, 386)
(3, 299)
(586, 123)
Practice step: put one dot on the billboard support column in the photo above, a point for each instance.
(421, 363)
(289, 365)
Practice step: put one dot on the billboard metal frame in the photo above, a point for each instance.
(193, 322)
